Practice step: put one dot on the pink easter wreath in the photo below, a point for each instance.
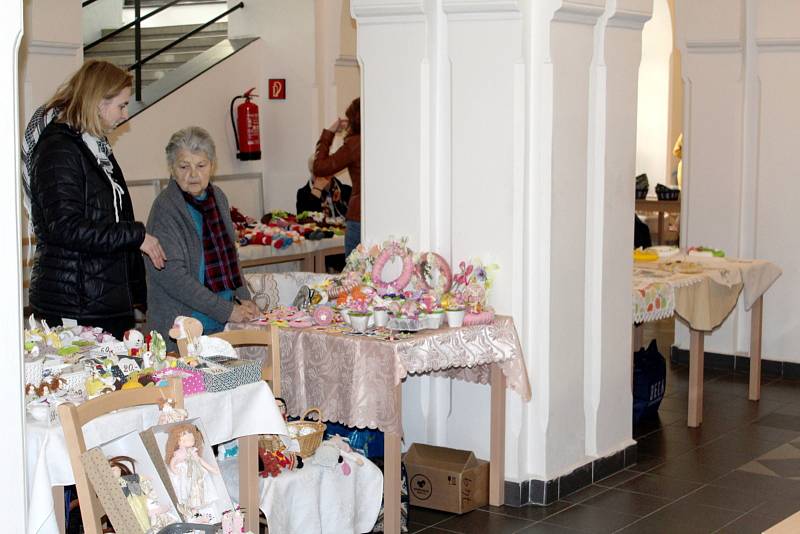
(394, 250)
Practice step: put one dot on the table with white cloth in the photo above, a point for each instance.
(703, 300)
(244, 412)
(357, 380)
(317, 499)
(310, 253)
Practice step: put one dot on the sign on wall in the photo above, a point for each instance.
(277, 89)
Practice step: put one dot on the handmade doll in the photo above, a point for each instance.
(189, 328)
(189, 472)
(129, 482)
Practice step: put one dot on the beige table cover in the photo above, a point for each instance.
(352, 378)
(705, 299)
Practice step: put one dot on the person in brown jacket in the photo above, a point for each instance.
(348, 156)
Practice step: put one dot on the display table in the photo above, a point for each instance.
(317, 499)
(248, 410)
(357, 380)
(702, 301)
(311, 254)
(661, 207)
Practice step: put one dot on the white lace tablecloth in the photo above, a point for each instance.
(352, 378)
(226, 415)
(316, 499)
(703, 299)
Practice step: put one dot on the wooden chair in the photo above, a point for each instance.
(266, 337)
(248, 446)
(73, 418)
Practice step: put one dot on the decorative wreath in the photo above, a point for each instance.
(393, 250)
(429, 261)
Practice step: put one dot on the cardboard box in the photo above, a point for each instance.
(446, 479)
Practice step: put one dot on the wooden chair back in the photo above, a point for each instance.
(73, 418)
(262, 336)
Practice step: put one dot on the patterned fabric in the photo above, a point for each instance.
(102, 153)
(39, 121)
(352, 378)
(654, 291)
(222, 269)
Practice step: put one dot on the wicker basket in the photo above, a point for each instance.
(308, 442)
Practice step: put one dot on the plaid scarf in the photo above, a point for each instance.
(222, 267)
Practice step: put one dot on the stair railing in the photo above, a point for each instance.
(136, 24)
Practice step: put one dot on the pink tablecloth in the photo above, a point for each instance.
(352, 378)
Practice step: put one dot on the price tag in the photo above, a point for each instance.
(128, 366)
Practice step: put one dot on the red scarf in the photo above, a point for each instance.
(222, 266)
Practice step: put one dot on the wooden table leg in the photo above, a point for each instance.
(391, 474)
(660, 227)
(696, 362)
(497, 454)
(308, 263)
(60, 508)
(756, 314)
(248, 481)
(319, 263)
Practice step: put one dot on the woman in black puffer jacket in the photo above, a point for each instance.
(88, 264)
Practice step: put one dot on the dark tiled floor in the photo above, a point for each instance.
(738, 473)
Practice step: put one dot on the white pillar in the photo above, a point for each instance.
(12, 447)
(480, 140)
(610, 206)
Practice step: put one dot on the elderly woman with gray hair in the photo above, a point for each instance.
(191, 219)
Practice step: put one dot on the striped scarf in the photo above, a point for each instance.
(99, 147)
(222, 267)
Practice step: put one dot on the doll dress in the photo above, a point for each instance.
(193, 486)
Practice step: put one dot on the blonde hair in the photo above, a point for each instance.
(80, 97)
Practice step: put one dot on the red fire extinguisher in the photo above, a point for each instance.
(246, 134)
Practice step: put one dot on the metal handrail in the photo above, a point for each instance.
(137, 26)
(129, 25)
(186, 36)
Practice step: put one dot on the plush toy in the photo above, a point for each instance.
(134, 341)
(190, 329)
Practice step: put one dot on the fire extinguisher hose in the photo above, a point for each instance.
(233, 122)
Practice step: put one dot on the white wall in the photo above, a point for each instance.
(177, 15)
(289, 128)
(12, 446)
(653, 148)
(205, 101)
(741, 123)
(494, 111)
(102, 15)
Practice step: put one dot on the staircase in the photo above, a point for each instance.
(120, 48)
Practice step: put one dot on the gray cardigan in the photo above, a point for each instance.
(176, 289)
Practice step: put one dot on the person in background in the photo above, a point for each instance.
(324, 194)
(348, 156)
(191, 218)
(88, 264)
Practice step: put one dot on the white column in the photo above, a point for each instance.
(13, 494)
(777, 41)
(561, 51)
(713, 64)
(477, 121)
(610, 205)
